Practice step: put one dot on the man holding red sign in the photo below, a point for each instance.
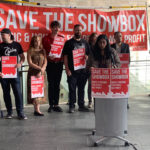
(53, 44)
(75, 55)
(10, 48)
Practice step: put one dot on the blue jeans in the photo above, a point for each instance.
(15, 84)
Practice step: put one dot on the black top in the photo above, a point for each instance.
(10, 49)
(71, 45)
(124, 47)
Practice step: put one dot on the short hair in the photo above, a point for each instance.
(116, 33)
(91, 37)
(55, 23)
(77, 25)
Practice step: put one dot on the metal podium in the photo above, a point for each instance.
(111, 119)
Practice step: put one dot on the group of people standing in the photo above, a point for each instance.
(98, 53)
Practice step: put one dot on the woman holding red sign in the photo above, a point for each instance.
(37, 61)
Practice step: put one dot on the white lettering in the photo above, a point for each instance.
(68, 15)
(32, 21)
(113, 24)
(123, 23)
(11, 16)
(100, 22)
(82, 22)
(48, 14)
(140, 22)
(2, 23)
(22, 24)
(132, 23)
(90, 22)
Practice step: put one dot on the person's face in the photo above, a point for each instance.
(5, 37)
(37, 42)
(118, 37)
(55, 29)
(102, 43)
(78, 32)
(94, 39)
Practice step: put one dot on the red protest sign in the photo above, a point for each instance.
(79, 58)
(56, 47)
(124, 60)
(120, 83)
(37, 86)
(8, 67)
(100, 82)
(110, 83)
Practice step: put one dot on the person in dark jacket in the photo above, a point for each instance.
(120, 47)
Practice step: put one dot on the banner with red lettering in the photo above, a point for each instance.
(37, 87)
(79, 58)
(110, 83)
(26, 21)
(57, 46)
(8, 67)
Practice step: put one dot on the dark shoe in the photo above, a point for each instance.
(9, 116)
(22, 117)
(83, 109)
(50, 109)
(38, 114)
(71, 110)
(57, 109)
(128, 106)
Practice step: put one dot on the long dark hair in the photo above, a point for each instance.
(97, 49)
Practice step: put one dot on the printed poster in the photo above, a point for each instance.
(124, 60)
(37, 87)
(79, 58)
(8, 66)
(110, 83)
(57, 46)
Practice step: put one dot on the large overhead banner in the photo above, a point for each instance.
(26, 21)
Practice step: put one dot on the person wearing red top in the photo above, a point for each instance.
(54, 67)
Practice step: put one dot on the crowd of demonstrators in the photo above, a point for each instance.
(37, 61)
(76, 78)
(120, 47)
(9, 47)
(54, 68)
(98, 53)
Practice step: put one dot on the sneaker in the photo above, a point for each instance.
(57, 109)
(9, 116)
(22, 117)
(90, 105)
(50, 109)
(71, 110)
(83, 109)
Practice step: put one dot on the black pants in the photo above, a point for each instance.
(76, 81)
(54, 73)
(15, 84)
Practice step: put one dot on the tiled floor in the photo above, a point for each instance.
(64, 131)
